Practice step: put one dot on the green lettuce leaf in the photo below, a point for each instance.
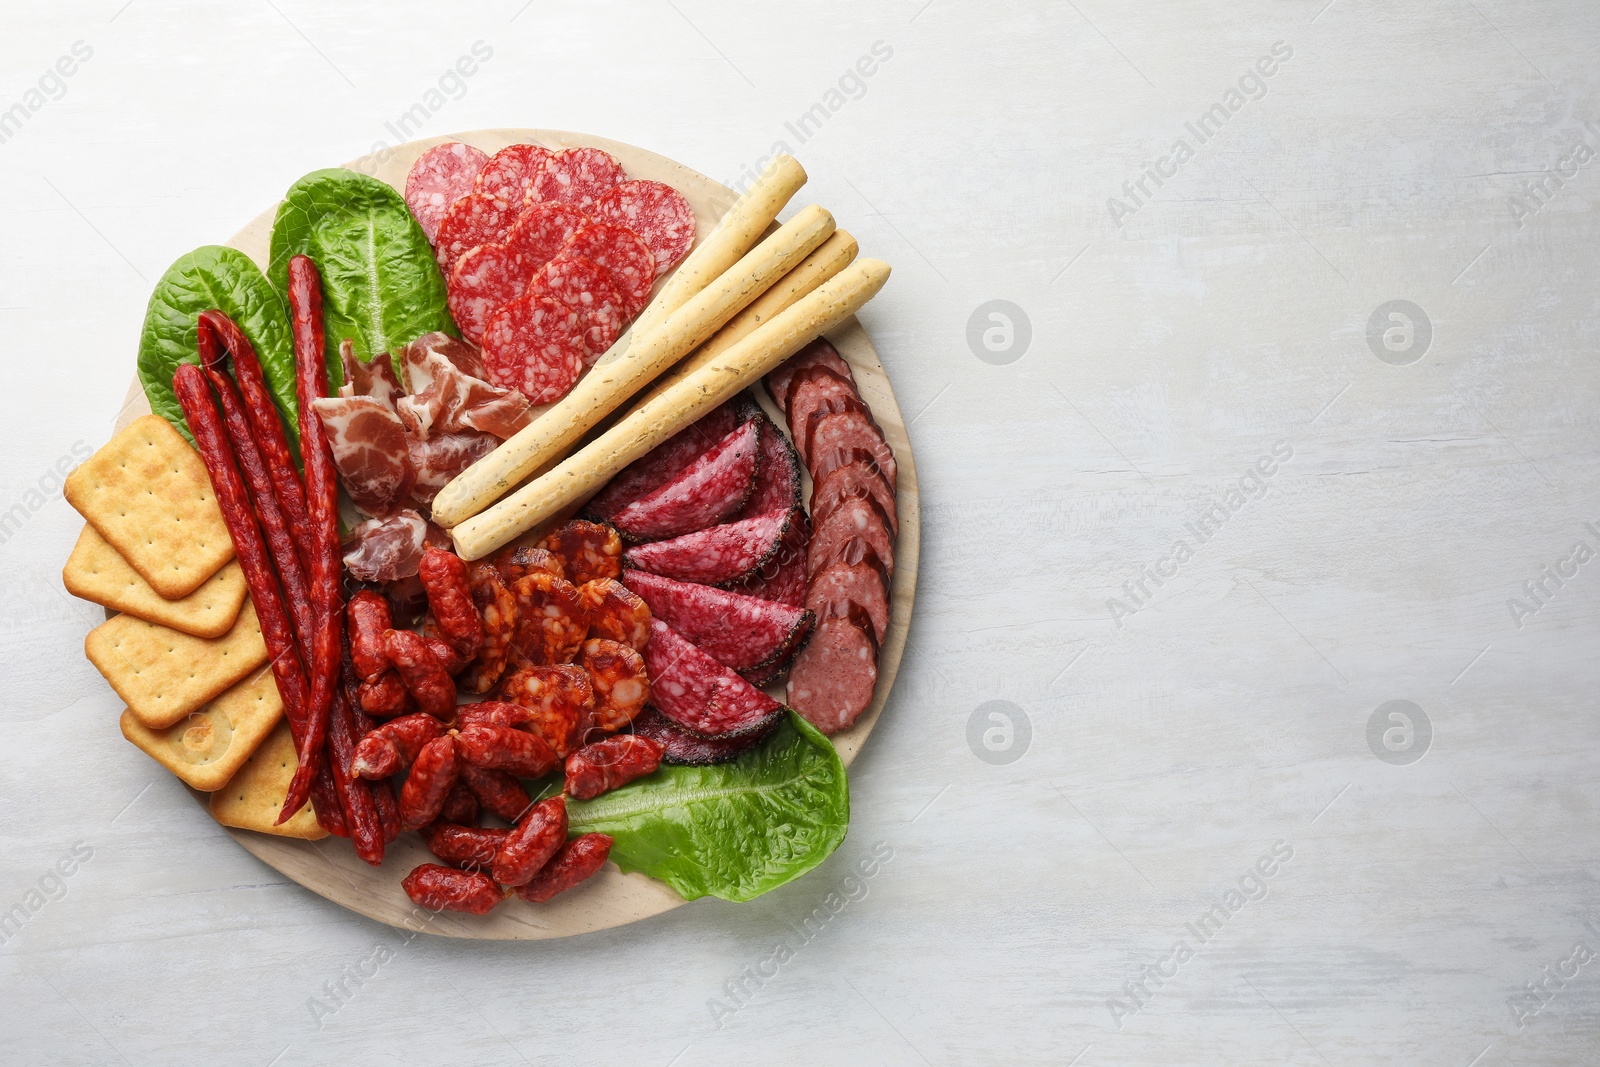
(381, 286)
(733, 830)
(228, 280)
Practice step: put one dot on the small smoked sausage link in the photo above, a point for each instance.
(494, 713)
(501, 748)
(422, 672)
(385, 696)
(444, 576)
(429, 782)
(578, 859)
(461, 806)
(528, 847)
(468, 847)
(369, 618)
(499, 792)
(439, 888)
(442, 650)
(394, 745)
(605, 765)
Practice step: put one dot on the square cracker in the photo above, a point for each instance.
(147, 492)
(97, 572)
(252, 798)
(163, 674)
(206, 747)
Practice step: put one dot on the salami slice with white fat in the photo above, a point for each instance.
(837, 438)
(483, 281)
(620, 251)
(819, 353)
(833, 678)
(542, 230)
(741, 632)
(814, 392)
(476, 219)
(655, 211)
(585, 287)
(855, 575)
(699, 694)
(577, 176)
(683, 747)
(783, 577)
(713, 487)
(857, 517)
(511, 172)
(534, 345)
(858, 475)
(723, 555)
(441, 176)
(777, 475)
(664, 460)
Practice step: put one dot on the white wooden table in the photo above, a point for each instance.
(1049, 853)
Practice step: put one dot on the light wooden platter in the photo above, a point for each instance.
(329, 867)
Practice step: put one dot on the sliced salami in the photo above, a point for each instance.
(741, 632)
(814, 392)
(819, 353)
(621, 684)
(860, 475)
(856, 576)
(484, 280)
(577, 176)
(441, 176)
(771, 671)
(551, 619)
(783, 577)
(853, 518)
(683, 747)
(655, 211)
(498, 608)
(723, 555)
(777, 475)
(511, 172)
(699, 694)
(476, 219)
(836, 439)
(587, 550)
(585, 287)
(541, 230)
(627, 258)
(713, 487)
(663, 461)
(534, 345)
(616, 613)
(832, 680)
(516, 561)
(559, 699)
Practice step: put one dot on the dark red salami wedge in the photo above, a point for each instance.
(777, 475)
(783, 577)
(855, 576)
(699, 694)
(542, 230)
(853, 518)
(854, 478)
(832, 680)
(535, 346)
(819, 353)
(662, 462)
(623, 254)
(585, 287)
(741, 632)
(511, 172)
(778, 666)
(655, 211)
(835, 440)
(577, 176)
(483, 281)
(683, 747)
(475, 219)
(441, 176)
(713, 487)
(723, 555)
(813, 393)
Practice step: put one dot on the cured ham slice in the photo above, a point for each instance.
(464, 357)
(385, 550)
(369, 446)
(442, 457)
(453, 402)
(375, 379)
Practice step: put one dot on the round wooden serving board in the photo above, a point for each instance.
(329, 867)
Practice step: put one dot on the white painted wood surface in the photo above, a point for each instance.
(1167, 356)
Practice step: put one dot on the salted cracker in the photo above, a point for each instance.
(97, 572)
(207, 747)
(253, 797)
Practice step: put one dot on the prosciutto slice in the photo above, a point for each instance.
(385, 550)
(452, 402)
(369, 448)
(375, 379)
(442, 457)
(461, 355)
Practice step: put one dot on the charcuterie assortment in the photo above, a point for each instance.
(520, 515)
